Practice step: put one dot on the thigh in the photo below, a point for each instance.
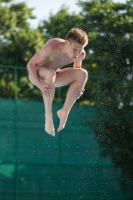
(43, 73)
(65, 76)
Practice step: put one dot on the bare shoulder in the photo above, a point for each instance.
(49, 48)
(53, 44)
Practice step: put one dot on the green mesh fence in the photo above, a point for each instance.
(37, 166)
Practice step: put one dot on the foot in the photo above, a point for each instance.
(49, 127)
(63, 118)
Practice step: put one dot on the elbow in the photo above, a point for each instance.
(28, 66)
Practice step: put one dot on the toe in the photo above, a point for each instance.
(51, 132)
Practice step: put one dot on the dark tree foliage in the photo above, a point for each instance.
(110, 56)
(18, 43)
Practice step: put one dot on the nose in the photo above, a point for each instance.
(76, 53)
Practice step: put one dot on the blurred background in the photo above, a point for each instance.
(92, 158)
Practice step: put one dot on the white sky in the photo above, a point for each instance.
(44, 7)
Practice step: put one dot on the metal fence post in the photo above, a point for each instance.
(98, 92)
(16, 84)
(99, 194)
(16, 164)
(16, 132)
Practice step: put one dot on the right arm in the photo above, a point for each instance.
(37, 59)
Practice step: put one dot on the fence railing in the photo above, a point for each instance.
(15, 75)
(96, 77)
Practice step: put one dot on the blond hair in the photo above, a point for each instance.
(77, 35)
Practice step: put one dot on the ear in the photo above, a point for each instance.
(67, 42)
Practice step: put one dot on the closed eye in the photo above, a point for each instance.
(77, 50)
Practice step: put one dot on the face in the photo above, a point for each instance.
(73, 49)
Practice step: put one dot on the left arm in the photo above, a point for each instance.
(76, 65)
(78, 62)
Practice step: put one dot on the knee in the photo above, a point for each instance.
(46, 73)
(31, 80)
(51, 73)
(83, 74)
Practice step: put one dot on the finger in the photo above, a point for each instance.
(46, 94)
(79, 94)
(47, 86)
(47, 91)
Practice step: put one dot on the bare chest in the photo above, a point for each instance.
(57, 60)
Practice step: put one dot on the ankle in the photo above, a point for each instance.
(48, 117)
(63, 112)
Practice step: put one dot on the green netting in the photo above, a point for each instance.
(37, 166)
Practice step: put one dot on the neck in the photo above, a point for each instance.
(64, 47)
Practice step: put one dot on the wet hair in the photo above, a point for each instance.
(77, 35)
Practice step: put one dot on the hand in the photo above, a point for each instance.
(79, 93)
(45, 89)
